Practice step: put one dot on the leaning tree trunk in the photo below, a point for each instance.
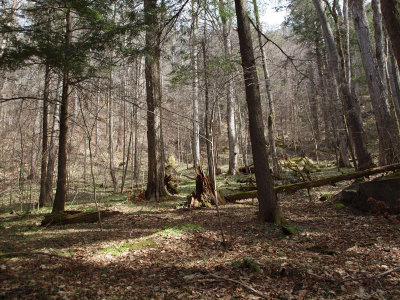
(155, 180)
(271, 112)
(45, 138)
(391, 16)
(389, 138)
(61, 192)
(349, 102)
(233, 146)
(267, 200)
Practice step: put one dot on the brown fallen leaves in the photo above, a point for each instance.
(158, 252)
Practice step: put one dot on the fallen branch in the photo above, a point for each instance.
(291, 188)
(246, 286)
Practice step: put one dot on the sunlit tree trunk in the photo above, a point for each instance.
(271, 109)
(155, 182)
(232, 139)
(268, 206)
(195, 89)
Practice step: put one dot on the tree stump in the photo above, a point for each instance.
(204, 195)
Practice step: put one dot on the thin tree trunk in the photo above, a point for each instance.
(389, 138)
(394, 82)
(61, 192)
(195, 89)
(110, 125)
(51, 157)
(349, 102)
(268, 206)
(233, 147)
(207, 123)
(45, 138)
(271, 109)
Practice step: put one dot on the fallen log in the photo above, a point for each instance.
(66, 217)
(291, 188)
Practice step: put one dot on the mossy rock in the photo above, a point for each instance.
(339, 206)
(289, 229)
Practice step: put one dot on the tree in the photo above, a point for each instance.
(232, 140)
(156, 158)
(267, 200)
(341, 87)
(391, 16)
(271, 112)
(389, 138)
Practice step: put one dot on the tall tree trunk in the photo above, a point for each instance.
(195, 89)
(313, 105)
(207, 123)
(271, 109)
(232, 140)
(155, 180)
(110, 125)
(61, 192)
(391, 17)
(267, 200)
(51, 157)
(349, 102)
(389, 138)
(326, 107)
(45, 137)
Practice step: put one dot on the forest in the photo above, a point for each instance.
(188, 149)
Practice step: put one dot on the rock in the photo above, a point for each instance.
(370, 193)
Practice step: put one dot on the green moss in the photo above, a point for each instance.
(339, 206)
(290, 230)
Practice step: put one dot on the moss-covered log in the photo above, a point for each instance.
(291, 188)
(65, 218)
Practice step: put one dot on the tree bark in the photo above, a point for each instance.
(207, 118)
(389, 138)
(45, 138)
(195, 91)
(61, 192)
(391, 17)
(155, 182)
(267, 200)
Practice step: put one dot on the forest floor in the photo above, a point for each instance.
(164, 251)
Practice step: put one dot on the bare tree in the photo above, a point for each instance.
(268, 206)
(391, 16)
(341, 87)
(389, 138)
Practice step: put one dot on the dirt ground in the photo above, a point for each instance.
(159, 251)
